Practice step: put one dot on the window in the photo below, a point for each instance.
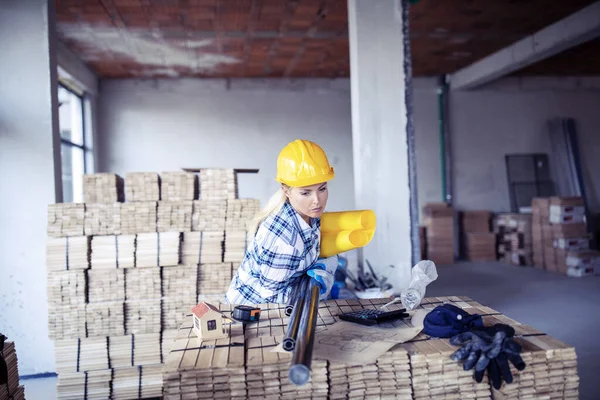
(212, 325)
(75, 143)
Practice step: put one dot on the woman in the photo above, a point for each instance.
(286, 234)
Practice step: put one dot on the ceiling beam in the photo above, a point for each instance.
(571, 31)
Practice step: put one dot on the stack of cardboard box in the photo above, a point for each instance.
(514, 238)
(438, 219)
(478, 243)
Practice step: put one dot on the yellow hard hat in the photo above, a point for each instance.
(303, 163)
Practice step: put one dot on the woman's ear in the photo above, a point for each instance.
(286, 190)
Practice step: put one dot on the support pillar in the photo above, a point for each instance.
(30, 175)
(382, 133)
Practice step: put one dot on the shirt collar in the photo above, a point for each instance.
(315, 223)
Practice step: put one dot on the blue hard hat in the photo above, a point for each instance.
(449, 320)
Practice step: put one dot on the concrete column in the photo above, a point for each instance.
(382, 133)
(29, 175)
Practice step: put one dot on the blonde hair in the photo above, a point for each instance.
(272, 207)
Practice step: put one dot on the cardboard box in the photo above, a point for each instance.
(572, 243)
(569, 230)
(567, 201)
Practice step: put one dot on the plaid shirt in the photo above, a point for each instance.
(284, 247)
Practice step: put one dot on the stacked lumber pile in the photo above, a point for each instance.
(103, 188)
(240, 212)
(102, 219)
(11, 390)
(122, 276)
(209, 215)
(138, 217)
(479, 243)
(243, 365)
(438, 219)
(218, 184)
(515, 243)
(66, 219)
(174, 216)
(142, 186)
(178, 186)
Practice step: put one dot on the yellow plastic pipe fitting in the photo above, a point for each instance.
(346, 230)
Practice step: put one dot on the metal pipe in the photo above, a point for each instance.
(293, 295)
(289, 341)
(299, 373)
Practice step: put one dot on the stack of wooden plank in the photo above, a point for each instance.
(138, 217)
(218, 184)
(234, 246)
(178, 186)
(143, 283)
(213, 370)
(214, 279)
(67, 322)
(438, 219)
(202, 247)
(209, 215)
(102, 219)
(66, 219)
(104, 252)
(143, 316)
(106, 318)
(174, 216)
(141, 382)
(67, 253)
(94, 385)
(157, 249)
(240, 212)
(179, 291)
(67, 288)
(106, 285)
(126, 251)
(142, 186)
(11, 390)
(103, 188)
(246, 367)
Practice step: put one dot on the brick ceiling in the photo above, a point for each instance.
(287, 38)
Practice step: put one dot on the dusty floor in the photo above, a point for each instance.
(566, 308)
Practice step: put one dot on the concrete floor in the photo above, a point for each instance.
(566, 308)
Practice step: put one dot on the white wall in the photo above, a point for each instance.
(171, 124)
(28, 132)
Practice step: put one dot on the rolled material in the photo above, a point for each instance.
(346, 230)
(289, 341)
(299, 373)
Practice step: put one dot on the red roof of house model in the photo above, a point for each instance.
(203, 308)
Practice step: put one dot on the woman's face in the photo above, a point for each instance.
(309, 201)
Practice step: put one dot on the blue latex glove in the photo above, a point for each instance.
(322, 273)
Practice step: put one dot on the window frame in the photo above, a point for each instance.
(85, 146)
